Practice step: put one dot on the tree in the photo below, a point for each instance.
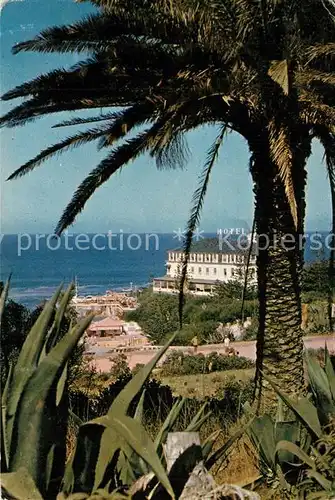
(14, 328)
(235, 289)
(157, 315)
(315, 278)
(261, 69)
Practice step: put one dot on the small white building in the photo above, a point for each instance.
(211, 262)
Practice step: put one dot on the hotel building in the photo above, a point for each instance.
(210, 262)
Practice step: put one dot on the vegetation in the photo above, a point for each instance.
(16, 323)
(117, 438)
(315, 282)
(157, 315)
(207, 385)
(14, 327)
(177, 363)
(112, 451)
(297, 457)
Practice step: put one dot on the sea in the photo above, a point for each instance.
(97, 262)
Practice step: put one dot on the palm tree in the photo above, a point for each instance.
(263, 69)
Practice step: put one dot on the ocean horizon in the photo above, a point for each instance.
(38, 265)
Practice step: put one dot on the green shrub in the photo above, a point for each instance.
(119, 367)
(178, 363)
(157, 315)
(297, 454)
(251, 331)
(317, 321)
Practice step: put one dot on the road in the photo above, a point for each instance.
(247, 349)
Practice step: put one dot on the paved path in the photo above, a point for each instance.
(246, 349)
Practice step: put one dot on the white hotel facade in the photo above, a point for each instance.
(211, 262)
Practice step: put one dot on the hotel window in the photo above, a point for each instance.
(232, 272)
(214, 270)
(171, 256)
(192, 269)
(207, 270)
(225, 272)
(199, 270)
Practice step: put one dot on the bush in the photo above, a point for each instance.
(158, 316)
(232, 396)
(177, 363)
(317, 321)
(251, 331)
(119, 366)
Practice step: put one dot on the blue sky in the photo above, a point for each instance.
(138, 199)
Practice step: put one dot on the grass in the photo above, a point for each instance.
(202, 385)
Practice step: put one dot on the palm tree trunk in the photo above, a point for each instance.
(279, 262)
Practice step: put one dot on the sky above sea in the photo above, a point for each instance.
(140, 198)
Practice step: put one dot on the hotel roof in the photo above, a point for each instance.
(229, 245)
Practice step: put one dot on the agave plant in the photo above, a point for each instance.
(298, 456)
(112, 451)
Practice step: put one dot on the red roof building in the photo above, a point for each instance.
(107, 327)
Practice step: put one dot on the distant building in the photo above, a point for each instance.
(107, 327)
(112, 304)
(211, 262)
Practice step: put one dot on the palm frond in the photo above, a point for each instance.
(37, 107)
(81, 121)
(56, 81)
(169, 147)
(99, 32)
(319, 51)
(245, 284)
(313, 113)
(282, 156)
(121, 156)
(279, 73)
(125, 121)
(70, 142)
(114, 161)
(174, 154)
(312, 75)
(197, 204)
(328, 142)
(90, 33)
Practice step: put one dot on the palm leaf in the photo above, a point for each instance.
(282, 156)
(320, 50)
(37, 107)
(114, 161)
(88, 34)
(328, 142)
(197, 204)
(245, 284)
(279, 73)
(81, 121)
(71, 142)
